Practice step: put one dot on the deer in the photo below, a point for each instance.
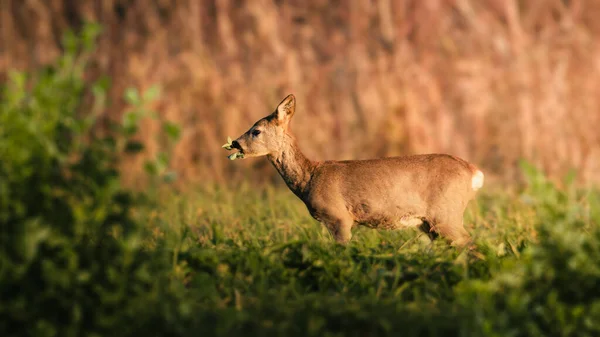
(429, 192)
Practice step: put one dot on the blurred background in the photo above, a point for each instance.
(492, 81)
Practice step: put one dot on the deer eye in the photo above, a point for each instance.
(255, 132)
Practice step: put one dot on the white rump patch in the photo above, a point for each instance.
(477, 180)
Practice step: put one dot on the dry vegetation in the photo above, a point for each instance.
(491, 81)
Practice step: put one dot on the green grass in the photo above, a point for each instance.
(256, 263)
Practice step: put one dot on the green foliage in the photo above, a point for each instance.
(553, 289)
(157, 168)
(71, 259)
(259, 265)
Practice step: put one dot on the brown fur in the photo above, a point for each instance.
(429, 191)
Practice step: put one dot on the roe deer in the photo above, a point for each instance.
(428, 191)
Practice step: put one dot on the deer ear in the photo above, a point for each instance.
(286, 109)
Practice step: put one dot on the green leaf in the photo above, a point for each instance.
(18, 79)
(570, 177)
(152, 93)
(228, 145)
(235, 156)
(131, 122)
(89, 35)
(70, 42)
(172, 130)
(101, 86)
(150, 168)
(134, 146)
(162, 161)
(170, 177)
(132, 96)
(36, 233)
(130, 130)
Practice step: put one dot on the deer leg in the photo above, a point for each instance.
(426, 228)
(340, 229)
(453, 230)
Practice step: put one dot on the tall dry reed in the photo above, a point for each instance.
(492, 81)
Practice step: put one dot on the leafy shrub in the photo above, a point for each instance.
(71, 260)
(553, 289)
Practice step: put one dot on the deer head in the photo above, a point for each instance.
(269, 134)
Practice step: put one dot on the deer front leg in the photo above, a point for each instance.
(340, 228)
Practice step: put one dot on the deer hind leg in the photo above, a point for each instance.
(452, 229)
(428, 229)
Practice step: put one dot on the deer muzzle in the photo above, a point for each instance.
(236, 145)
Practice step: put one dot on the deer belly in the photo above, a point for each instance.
(388, 222)
(399, 218)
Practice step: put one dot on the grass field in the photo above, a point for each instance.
(260, 265)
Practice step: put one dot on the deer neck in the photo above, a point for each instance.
(295, 169)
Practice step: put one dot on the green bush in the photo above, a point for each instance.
(553, 289)
(71, 259)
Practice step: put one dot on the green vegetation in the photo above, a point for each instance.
(261, 265)
(71, 254)
(82, 255)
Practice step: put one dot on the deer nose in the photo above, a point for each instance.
(236, 145)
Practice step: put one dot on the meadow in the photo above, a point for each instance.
(83, 254)
(262, 266)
